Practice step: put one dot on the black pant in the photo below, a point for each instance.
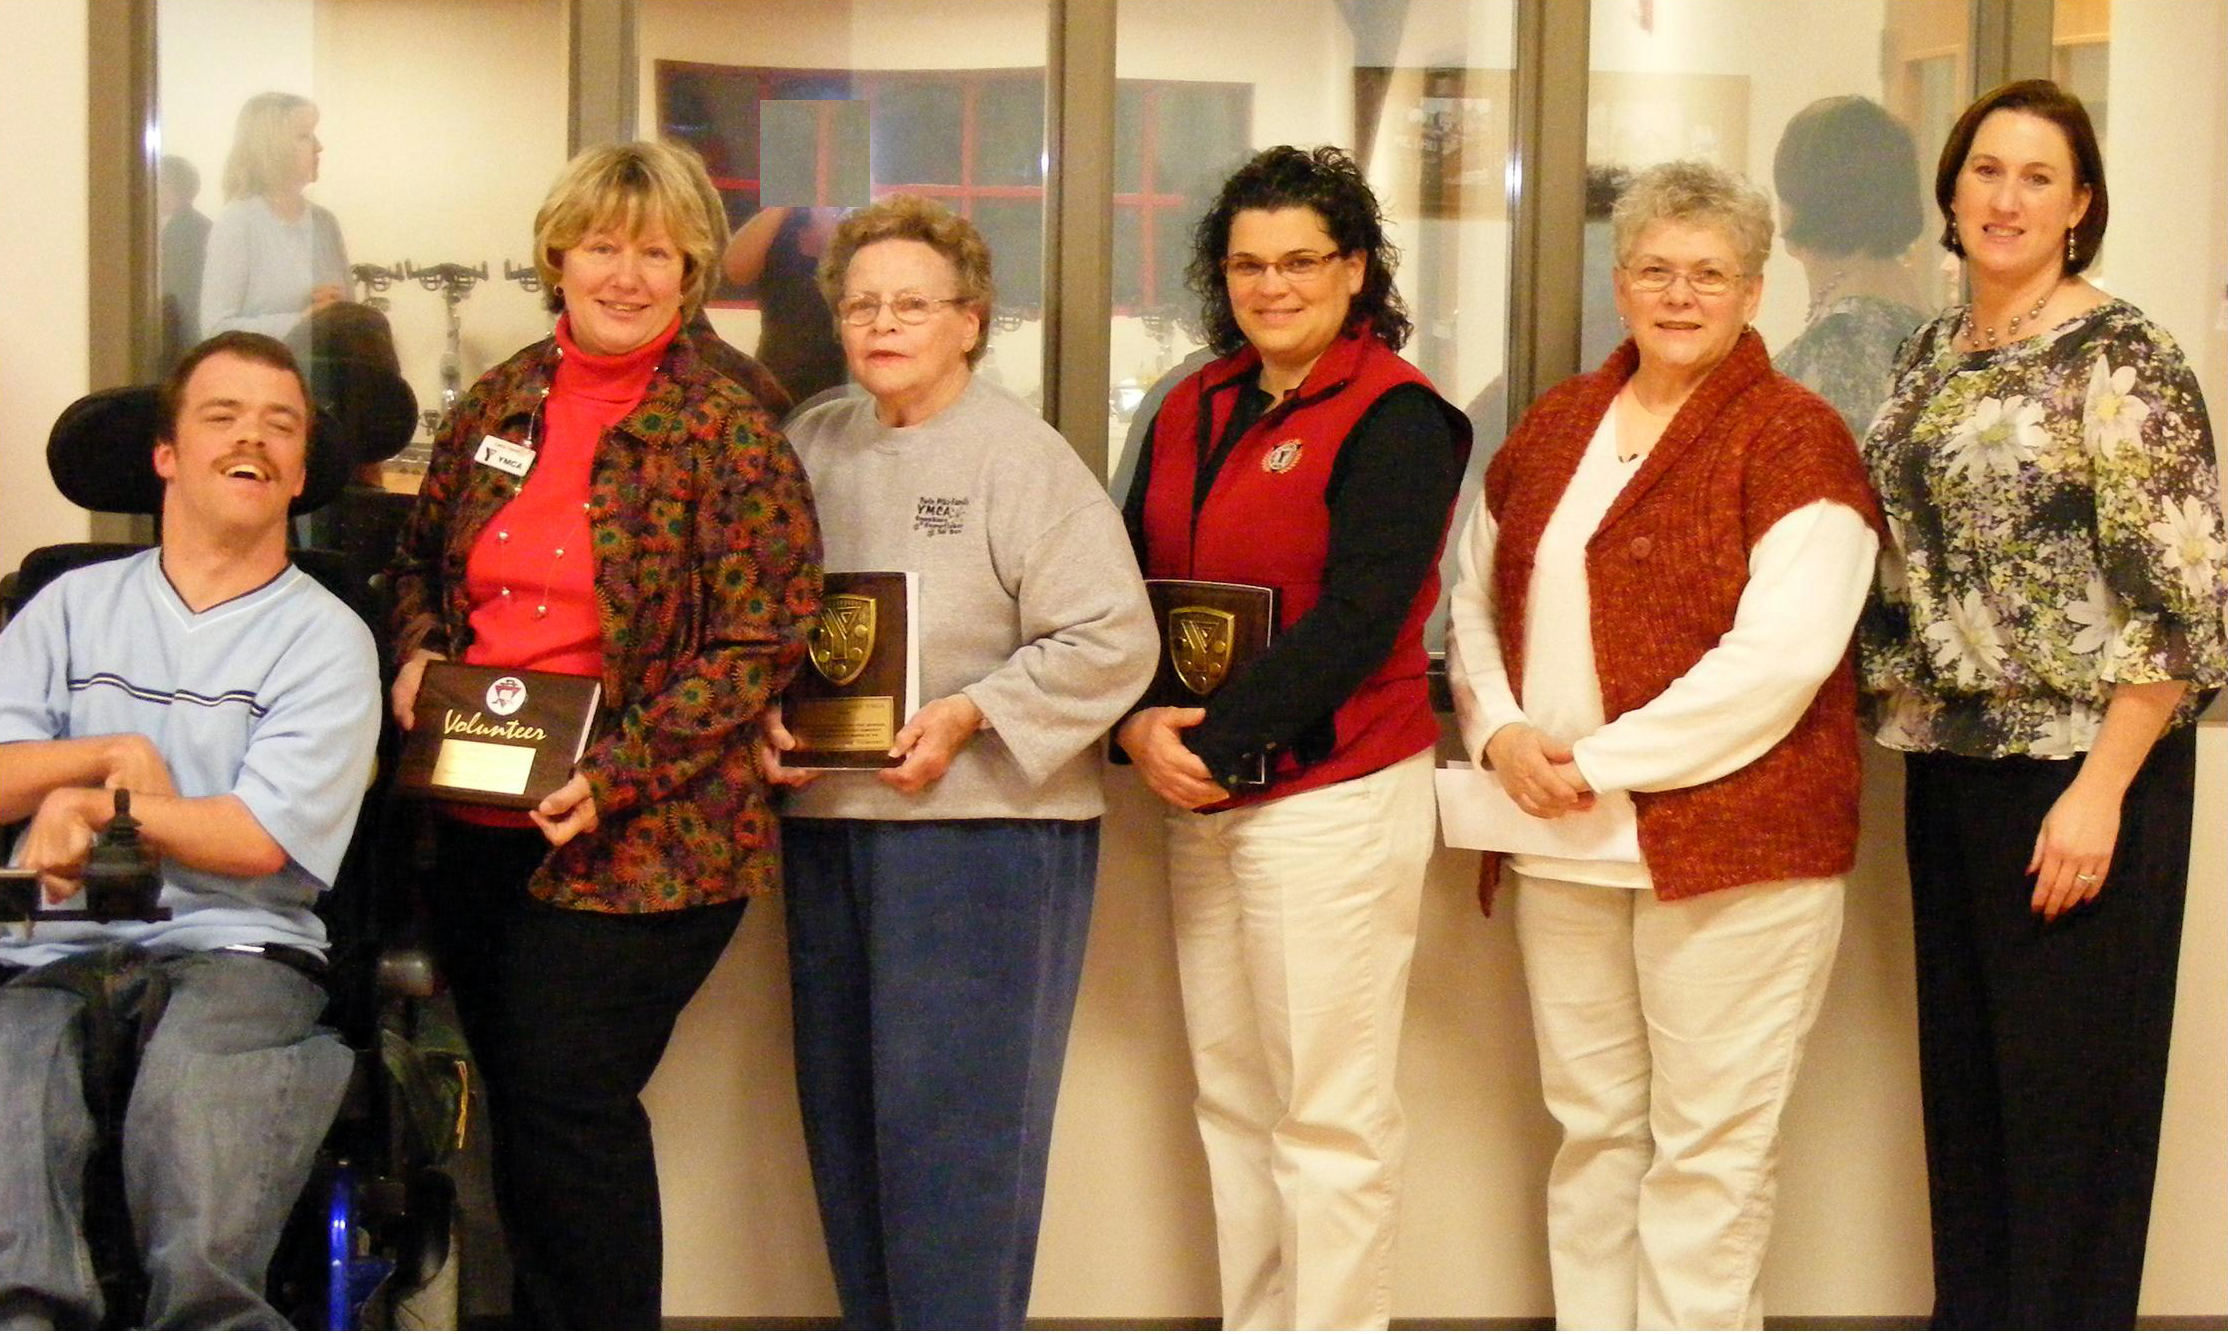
(2042, 1047)
(568, 1014)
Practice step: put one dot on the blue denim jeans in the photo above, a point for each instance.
(235, 1089)
(933, 967)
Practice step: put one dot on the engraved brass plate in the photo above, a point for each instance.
(483, 766)
(863, 723)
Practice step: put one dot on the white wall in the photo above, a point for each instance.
(44, 280)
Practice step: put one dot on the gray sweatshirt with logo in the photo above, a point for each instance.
(1030, 601)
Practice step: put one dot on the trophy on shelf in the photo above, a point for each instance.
(454, 282)
(373, 279)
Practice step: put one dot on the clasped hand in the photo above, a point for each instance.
(1154, 740)
(1537, 773)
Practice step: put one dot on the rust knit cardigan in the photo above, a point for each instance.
(1664, 574)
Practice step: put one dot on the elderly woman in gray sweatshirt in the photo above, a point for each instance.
(937, 909)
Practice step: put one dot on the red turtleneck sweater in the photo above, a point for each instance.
(531, 577)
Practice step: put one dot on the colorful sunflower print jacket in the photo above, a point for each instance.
(707, 571)
(2055, 521)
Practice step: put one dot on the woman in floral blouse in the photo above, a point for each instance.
(2048, 624)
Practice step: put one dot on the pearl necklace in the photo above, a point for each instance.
(1987, 336)
(1824, 295)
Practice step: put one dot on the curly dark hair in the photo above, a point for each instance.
(1323, 179)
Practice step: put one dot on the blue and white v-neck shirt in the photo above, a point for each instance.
(272, 696)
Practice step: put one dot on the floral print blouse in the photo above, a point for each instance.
(2055, 530)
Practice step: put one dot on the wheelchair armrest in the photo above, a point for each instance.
(408, 973)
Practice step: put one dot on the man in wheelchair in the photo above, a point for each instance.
(237, 701)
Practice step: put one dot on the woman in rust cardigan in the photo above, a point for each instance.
(606, 504)
(1651, 653)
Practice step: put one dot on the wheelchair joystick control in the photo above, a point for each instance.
(122, 877)
(123, 880)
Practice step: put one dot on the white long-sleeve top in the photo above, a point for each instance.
(1807, 579)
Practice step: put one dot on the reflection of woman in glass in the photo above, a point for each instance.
(2047, 627)
(775, 254)
(273, 255)
(1848, 183)
(1311, 458)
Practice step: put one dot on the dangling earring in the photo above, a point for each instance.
(2069, 247)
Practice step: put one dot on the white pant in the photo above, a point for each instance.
(1295, 925)
(1669, 1035)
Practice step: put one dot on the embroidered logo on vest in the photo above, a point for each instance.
(1284, 458)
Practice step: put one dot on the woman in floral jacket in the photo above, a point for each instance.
(606, 503)
(2046, 627)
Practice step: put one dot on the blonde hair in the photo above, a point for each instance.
(1699, 195)
(915, 218)
(631, 189)
(262, 144)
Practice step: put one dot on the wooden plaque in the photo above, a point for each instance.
(861, 678)
(496, 736)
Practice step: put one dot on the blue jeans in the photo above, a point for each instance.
(933, 967)
(235, 1089)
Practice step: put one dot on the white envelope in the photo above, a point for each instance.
(1475, 812)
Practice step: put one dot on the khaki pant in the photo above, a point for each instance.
(1669, 1035)
(1295, 925)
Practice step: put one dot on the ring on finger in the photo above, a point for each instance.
(2084, 878)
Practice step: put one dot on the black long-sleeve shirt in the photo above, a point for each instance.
(1390, 495)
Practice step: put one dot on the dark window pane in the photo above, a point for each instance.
(1172, 251)
(1014, 231)
(1129, 135)
(1200, 135)
(1009, 131)
(713, 110)
(916, 132)
(1129, 278)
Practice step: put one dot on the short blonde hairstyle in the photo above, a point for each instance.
(914, 218)
(631, 189)
(262, 144)
(1699, 195)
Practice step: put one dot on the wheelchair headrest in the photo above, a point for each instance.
(101, 454)
(375, 408)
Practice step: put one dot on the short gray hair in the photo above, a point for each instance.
(1699, 195)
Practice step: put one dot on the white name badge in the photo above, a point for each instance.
(496, 452)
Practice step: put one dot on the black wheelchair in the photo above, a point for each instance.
(370, 1241)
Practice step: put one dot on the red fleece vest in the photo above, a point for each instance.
(1264, 521)
(1664, 574)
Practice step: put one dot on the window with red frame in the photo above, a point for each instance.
(975, 140)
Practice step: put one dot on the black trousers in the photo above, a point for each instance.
(568, 1014)
(2042, 1047)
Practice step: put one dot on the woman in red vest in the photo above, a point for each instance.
(1650, 651)
(1308, 458)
